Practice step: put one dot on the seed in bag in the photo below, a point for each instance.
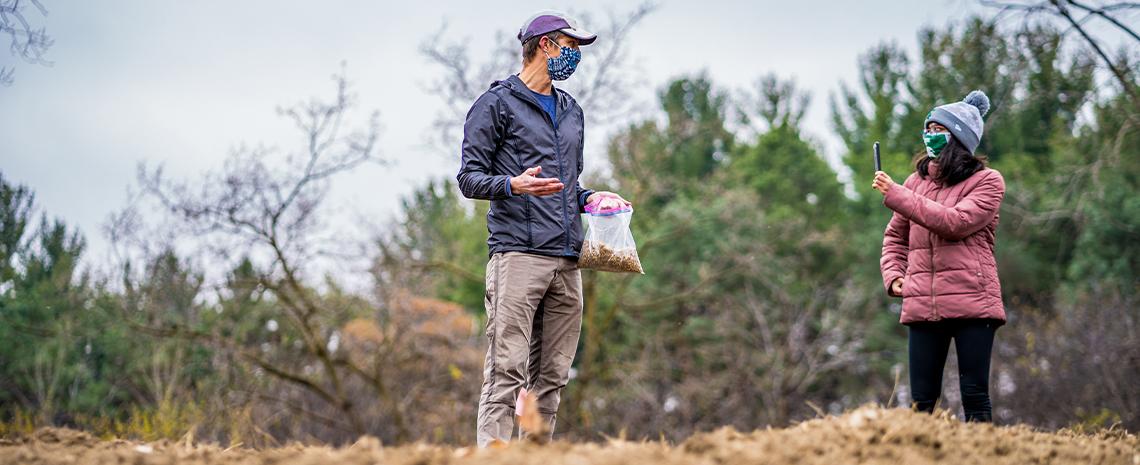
(609, 245)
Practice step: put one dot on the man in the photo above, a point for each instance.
(522, 150)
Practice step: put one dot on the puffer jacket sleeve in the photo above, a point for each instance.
(896, 244)
(968, 216)
(483, 132)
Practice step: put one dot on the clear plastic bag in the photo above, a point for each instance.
(609, 245)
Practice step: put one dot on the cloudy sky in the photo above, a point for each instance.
(181, 83)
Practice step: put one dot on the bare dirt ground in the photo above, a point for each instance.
(869, 435)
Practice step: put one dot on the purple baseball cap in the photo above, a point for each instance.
(545, 22)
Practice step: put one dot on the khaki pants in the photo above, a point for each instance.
(534, 318)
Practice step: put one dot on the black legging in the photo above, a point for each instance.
(929, 343)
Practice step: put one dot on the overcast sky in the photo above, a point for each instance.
(180, 83)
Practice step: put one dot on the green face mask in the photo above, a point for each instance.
(935, 142)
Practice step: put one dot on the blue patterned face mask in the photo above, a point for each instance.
(563, 66)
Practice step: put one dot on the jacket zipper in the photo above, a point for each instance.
(561, 174)
(565, 203)
(561, 166)
(933, 295)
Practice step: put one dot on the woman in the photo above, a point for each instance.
(938, 255)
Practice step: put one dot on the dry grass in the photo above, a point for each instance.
(869, 435)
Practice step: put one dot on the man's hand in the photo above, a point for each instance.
(607, 200)
(883, 182)
(896, 287)
(530, 183)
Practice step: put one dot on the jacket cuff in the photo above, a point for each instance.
(890, 277)
(508, 184)
(586, 193)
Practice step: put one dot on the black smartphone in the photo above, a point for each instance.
(878, 162)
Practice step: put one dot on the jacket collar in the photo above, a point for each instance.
(519, 89)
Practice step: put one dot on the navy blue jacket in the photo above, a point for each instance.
(507, 132)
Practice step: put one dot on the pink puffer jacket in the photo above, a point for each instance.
(941, 241)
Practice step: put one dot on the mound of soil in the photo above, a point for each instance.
(869, 435)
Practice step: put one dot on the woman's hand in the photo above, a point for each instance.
(896, 286)
(883, 182)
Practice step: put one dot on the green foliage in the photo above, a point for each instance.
(41, 320)
(440, 247)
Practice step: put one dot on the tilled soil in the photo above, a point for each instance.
(869, 435)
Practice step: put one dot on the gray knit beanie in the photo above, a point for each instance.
(964, 119)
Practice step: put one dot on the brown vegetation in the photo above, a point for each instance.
(867, 435)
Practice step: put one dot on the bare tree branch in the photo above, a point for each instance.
(1060, 9)
(1126, 83)
(602, 85)
(275, 210)
(1102, 12)
(25, 41)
